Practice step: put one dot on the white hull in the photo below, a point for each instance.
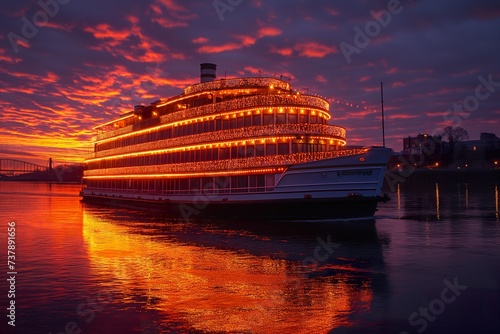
(355, 179)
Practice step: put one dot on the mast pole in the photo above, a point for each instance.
(383, 121)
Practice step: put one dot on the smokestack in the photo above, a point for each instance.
(208, 72)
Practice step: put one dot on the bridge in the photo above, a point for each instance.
(17, 170)
(18, 167)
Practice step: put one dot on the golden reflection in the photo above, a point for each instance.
(399, 197)
(218, 290)
(467, 196)
(437, 201)
(496, 201)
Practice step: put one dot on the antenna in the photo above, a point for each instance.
(382, 102)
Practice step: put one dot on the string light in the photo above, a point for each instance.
(237, 82)
(200, 167)
(225, 107)
(181, 175)
(301, 129)
(350, 104)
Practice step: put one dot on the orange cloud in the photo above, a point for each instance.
(320, 78)
(398, 84)
(169, 23)
(243, 41)
(104, 31)
(200, 40)
(59, 26)
(391, 70)
(284, 52)
(219, 48)
(172, 6)
(332, 11)
(314, 49)
(268, 31)
(247, 40)
(402, 116)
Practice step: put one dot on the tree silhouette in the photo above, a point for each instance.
(454, 135)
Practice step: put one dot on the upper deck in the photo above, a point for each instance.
(213, 98)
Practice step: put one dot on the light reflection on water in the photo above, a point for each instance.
(224, 289)
(145, 273)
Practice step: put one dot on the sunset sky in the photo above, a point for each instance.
(70, 65)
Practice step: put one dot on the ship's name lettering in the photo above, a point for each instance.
(365, 172)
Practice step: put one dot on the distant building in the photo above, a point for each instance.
(487, 143)
(488, 136)
(422, 143)
(478, 154)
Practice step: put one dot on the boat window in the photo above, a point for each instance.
(250, 150)
(248, 121)
(283, 148)
(234, 152)
(224, 153)
(194, 184)
(303, 118)
(207, 184)
(222, 184)
(313, 118)
(241, 151)
(268, 119)
(259, 150)
(271, 149)
(281, 118)
(269, 180)
(257, 120)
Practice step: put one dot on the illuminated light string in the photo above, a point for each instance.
(334, 101)
(229, 115)
(237, 82)
(183, 175)
(331, 132)
(227, 144)
(225, 165)
(232, 106)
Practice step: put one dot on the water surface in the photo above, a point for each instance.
(104, 270)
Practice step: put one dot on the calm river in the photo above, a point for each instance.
(428, 263)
